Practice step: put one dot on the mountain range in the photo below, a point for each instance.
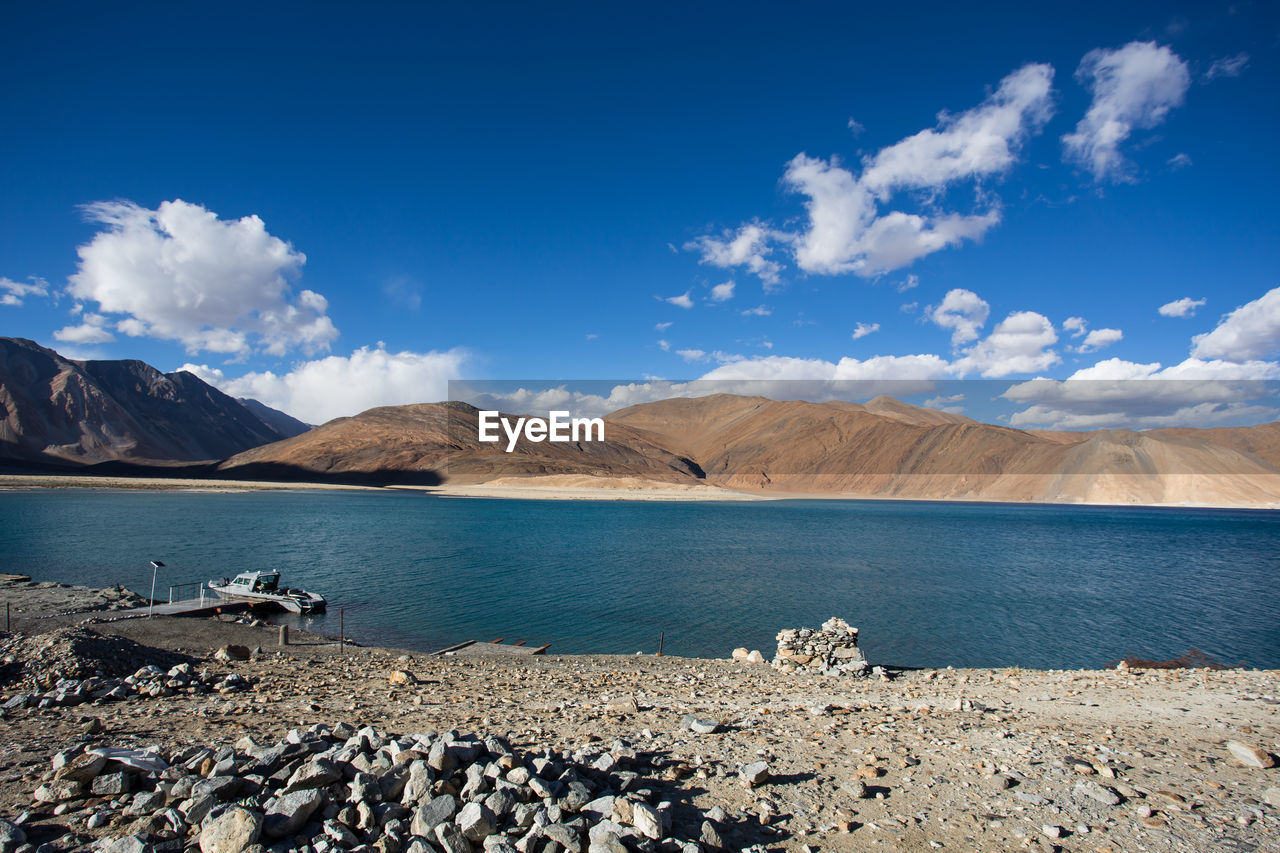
(86, 412)
(58, 412)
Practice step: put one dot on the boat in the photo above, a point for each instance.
(263, 587)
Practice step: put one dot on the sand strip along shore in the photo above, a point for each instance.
(1001, 759)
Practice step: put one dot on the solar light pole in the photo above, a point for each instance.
(156, 565)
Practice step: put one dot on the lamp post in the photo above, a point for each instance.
(156, 565)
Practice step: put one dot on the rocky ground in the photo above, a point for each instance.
(696, 752)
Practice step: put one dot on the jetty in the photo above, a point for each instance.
(206, 606)
(493, 648)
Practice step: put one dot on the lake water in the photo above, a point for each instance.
(929, 584)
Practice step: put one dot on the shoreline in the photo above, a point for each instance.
(624, 489)
(964, 759)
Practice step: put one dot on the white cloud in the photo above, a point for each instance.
(1134, 87)
(12, 293)
(982, 141)
(722, 292)
(962, 311)
(1249, 333)
(1181, 160)
(945, 403)
(911, 282)
(180, 273)
(1098, 339)
(856, 126)
(326, 388)
(1115, 393)
(92, 330)
(665, 346)
(1229, 66)
(662, 327)
(682, 301)
(758, 311)
(864, 329)
(747, 247)
(847, 232)
(692, 354)
(1018, 344)
(1184, 307)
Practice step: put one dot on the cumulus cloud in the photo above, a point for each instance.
(722, 292)
(1115, 393)
(962, 311)
(1098, 339)
(747, 247)
(1134, 87)
(665, 346)
(1075, 325)
(180, 273)
(681, 301)
(92, 330)
(1184, 307)
(758, 311)
(12, 293)
(1018, 344)
(849, 231)
(662, 327)
(864, 329)
(911, 282)
(1249, 333)
(322, 389)
(692, 354)
(945, 403)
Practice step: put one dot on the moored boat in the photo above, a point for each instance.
(263, 587)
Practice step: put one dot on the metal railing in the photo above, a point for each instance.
(186, 591)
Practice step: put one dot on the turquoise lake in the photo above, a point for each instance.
(929, 584)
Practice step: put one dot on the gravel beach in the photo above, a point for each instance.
(672, 753)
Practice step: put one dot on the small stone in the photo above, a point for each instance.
(93, 727)
(318, 773)
(290, 812)
(740, 654)
(710, 836)
(58, 790)
(1090, 790)
(476, 822)
(12, 836)
(646, 819)
(231, 832)
(111, 784)
(451, 839)
(1250, 755)
(98, 819)
(1272, 797)
(431, 814)
(227, 654)
(754, 774)
(1051, 831)
(857, 788)
(400, 677)
(625, 705)
(82, 768)
(755, 657)
(700, 725)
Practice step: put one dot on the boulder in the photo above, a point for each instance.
(232, 831)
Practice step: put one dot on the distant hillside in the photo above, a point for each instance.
(57, 411)
(886, 448)
(434, 442)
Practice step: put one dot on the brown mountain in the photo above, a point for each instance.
(434, 442)
(882, 448)
(886, 448)
(57, 411)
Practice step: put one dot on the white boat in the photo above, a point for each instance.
(263, 587)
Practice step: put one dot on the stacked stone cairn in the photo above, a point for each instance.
(829, 650)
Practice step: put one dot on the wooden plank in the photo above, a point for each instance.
(521, 643)
(461, 645)
(540, 649)
(499, 640)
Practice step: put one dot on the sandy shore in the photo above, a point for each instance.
(74, 481)
(1001, 759)
(567, 487)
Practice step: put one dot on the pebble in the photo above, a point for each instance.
(1250, 755)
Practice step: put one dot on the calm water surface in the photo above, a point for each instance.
(929, 584)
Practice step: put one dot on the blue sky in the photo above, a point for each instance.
(330, 208)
